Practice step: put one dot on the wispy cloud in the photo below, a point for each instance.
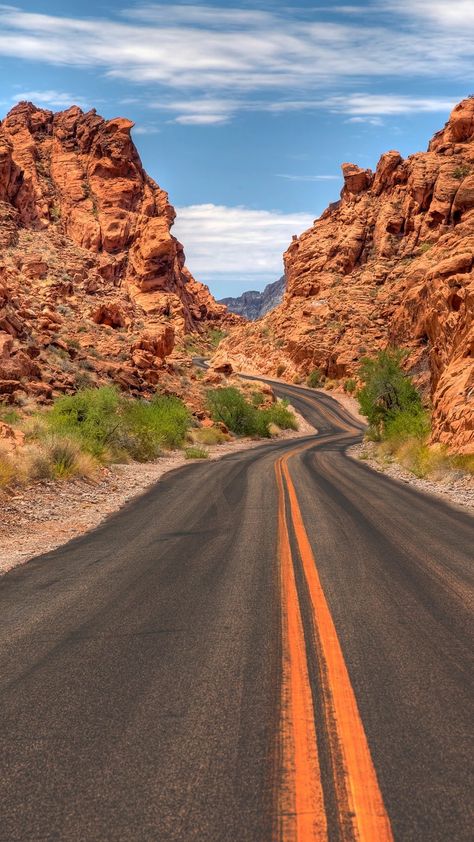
(458, 14)
(55, 99)
(232, 241)
(205, 111)
(245, 52)
(387, 104)
(291, 177)
(145, 129)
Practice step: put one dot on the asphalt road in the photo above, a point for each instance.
(146, 669)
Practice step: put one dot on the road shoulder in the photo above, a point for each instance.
(39, 518)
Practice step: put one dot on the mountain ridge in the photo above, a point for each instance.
(253, 304)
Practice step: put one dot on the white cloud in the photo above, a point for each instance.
(60, 99)
(239, 51)
(205, 111)
(145, 129)
(387, 104)
(233, 242)
(309, 177)
(451, 13)
(371, 121)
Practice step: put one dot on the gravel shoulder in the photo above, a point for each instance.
(454, 486)
(41, 517)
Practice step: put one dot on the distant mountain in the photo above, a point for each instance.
(252, 304)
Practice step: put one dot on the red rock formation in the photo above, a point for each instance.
(89, 269)
(391, 262)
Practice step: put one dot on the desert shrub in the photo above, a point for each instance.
(280, 370)
(110, 426)
(425, 247)
(208, 435)
(412, 423)
(230, 406)
(8, 415)
(257, 398)
(280, 415)
(196, 453)
(59, 458)
(350, 385)
(387, 391)
(162, 422)
(314, 378)
(239, 415)
(463, 462)
(461, 172)
(216, 336)
(91, 416)
(7, 470)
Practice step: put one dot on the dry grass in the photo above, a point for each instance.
(7, 470)
(208, 436)
(196, 453)
(61, 458)
(424, 460)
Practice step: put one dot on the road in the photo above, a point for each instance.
(274, 647)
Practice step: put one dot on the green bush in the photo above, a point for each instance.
(165, 419)
(350, 385)
(314, 378)
(229, 406)
(239, 415)
(387, 390)
(91, 415)
(280, 415)
(216, 336)
(257, 398)
(408, 424)
(106, 423)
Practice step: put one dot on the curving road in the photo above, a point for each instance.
(273, 647)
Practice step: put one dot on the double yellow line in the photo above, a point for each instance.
(301, 811)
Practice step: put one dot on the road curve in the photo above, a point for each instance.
(274, 647)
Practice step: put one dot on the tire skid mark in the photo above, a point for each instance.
(362, 814)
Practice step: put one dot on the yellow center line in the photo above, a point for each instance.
(364, 810)
(300, 810)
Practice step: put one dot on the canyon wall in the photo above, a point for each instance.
(391, 262)
(92, 282)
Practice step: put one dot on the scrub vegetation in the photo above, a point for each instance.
(399, 424)
(229, 406)
(81, 433)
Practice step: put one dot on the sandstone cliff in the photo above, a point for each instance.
(92, 283)
(253, 305)
(390, 262)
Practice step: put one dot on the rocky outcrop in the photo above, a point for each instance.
(390, 262)
(93, 285)
(253, 305)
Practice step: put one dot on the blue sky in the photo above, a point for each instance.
(245, 111)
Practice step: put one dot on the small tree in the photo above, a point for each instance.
(387, 390)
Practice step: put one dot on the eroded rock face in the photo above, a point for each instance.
(88, 263)
(391, 262)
